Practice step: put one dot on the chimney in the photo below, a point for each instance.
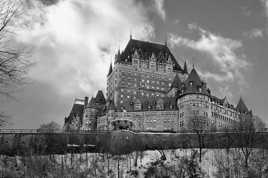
(86, 101)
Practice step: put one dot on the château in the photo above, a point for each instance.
(148, 90)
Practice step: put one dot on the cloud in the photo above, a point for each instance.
(159, 6)
(246, 11)
(265, 4)
(75, 41)
(225, 53)
(49, 2)
(254, 33)
(193, 26)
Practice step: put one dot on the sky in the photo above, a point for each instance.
(73, 42)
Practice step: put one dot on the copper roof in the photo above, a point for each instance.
(194, 77)
(110, 69)
(145, 49)
(100, 98)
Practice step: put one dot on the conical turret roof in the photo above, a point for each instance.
(100, 98)
(194, 77)
(193, 84)
(241, 106)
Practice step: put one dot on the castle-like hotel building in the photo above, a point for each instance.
(147, 90)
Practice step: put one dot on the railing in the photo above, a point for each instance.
(40, 131)
(51, 131)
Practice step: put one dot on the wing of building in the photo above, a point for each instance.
(147, 89)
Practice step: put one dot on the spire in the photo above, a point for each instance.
(110, 69)
(117, 56)
(176, 82)
(194, 77)
(130, 35)
(166, 39)
(241, 106)
(185, 70)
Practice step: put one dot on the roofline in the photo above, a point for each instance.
(188, 93)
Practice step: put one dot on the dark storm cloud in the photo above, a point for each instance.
(49, 2)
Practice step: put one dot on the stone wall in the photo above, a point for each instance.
(144, 120)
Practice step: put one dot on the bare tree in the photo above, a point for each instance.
(246, 133)
(13, 63)
(49, 127)
(198, 123)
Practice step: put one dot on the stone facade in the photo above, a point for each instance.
(140, 121)
(142, 71)
(147, 90)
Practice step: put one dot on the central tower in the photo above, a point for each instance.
(144, 71)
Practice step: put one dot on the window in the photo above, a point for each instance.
(181, 123)
(195, 112)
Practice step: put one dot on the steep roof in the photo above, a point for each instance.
(193, 84)
(241, 106)
(194, 77)
(145, 49)
(77, 110)
(176, 82)
(222, 101)
(110, 69)
(92, 103)
(100, 98)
